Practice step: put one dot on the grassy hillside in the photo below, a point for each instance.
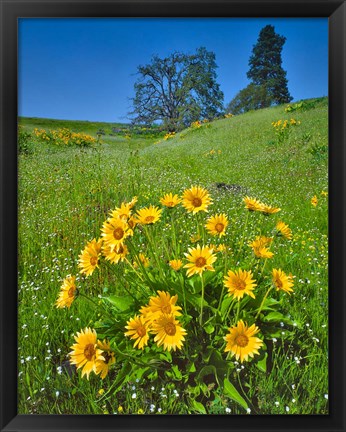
(67, 192)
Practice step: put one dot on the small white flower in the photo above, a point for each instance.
(159, 409)
(287, 408)
(42, 389)
(134, 396)
(326, 396)
(133, 387)
(275, 340)
(248, 410)
(293, 386)
(57, 394)
(293, 400)
(153, 388)
(228, 410)
(277, 403)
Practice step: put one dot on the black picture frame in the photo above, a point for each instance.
(11, 10)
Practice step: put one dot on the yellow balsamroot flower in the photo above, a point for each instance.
(114, 232)
(284, 230)
(196, 199)
(170, 200)
(252, 204)
(169, 332)
(216, 225)
(122, 212)
(163, 303)
(133, 202)
(267, 210)
(201, 259)
(67, 293)
(259, 247)
(195, 238)
(143, 260)
(314, 200)
(117, 254)
(138, 330)
(89, 257)
(239, 283)
(324, 193)
(102, 366)
(85, 353)
(281, 281)
(176, 264)
(148, 215)
(241, 341)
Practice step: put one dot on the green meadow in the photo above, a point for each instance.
(66, 193)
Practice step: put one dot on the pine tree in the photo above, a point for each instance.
(266, 67)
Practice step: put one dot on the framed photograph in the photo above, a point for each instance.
(172, 207)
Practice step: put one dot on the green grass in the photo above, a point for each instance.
(65, 194)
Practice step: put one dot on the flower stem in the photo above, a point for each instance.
(261, 306)
(242, 239)
(238, 309)
(202, 301)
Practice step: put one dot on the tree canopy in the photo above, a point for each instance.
(177, 90)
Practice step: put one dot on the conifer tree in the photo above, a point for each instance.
(266, 67)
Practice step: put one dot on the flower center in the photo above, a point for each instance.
(278, 283)
(197, 202)
(170, 204)
(118, 233)
(93, 261)
(120, 250)
(149, 219)
(200, 262)
(240, 285)
(141, 331)
(170, 329)
(242, 340)
(71, 291)
(107, 356)
(166, 309)
(219, 227)
(89, 351)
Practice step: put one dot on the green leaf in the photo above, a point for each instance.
(233, 393)
(226, 303)
(121, 303)
(262, 364)
(197, 406)
(273, 317)
(209, 328)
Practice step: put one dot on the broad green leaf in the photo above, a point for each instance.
(262, 364)
(233, 393)
(121, 303)
(197, 406)
(226, 303)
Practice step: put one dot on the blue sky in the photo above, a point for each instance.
(85, 69)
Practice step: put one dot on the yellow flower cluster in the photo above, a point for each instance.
(229, 115)
(159, 318)
(212, 153)
(196, 125)
(253, 204)
(281, 125)
(169, 135)
(64, 136)
(91, 354)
